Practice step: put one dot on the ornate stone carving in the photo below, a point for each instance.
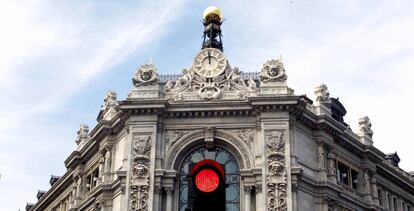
(273, 71)
(141, 146)
(247, 135)
(212, 87)
(139, 198)
(146, 75)
(168, 86)
(322, 94)
(209, 137)
(209, 91)
(172, 136)
(276, 171)
(110, 101)
(321, 156)
(331, 164)
(365, 126)
(83, 134)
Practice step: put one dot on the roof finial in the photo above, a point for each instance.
(212, 19)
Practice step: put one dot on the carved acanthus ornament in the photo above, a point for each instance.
(141, 146)
(172, 136)
(146, 75)
(276, 172)
(247, 135)
(273, 71)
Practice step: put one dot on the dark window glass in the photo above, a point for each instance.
(223, 157)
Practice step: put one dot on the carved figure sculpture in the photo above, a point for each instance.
(321, 156)
(322, 93)
(365, 126)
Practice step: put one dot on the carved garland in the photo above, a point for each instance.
(276, 172)
(141, 147)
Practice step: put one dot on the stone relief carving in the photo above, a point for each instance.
(168, 86)
(331, 164)
(322, 94)
(209, 137)
(201, 134)
(172, 136)
(365, 126)
(273, 71)
(141, 147)
(146, 75)
(321, 156)
(110, 101)
(276, 172)
(247, 135)
(210, 88)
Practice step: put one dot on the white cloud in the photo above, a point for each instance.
(50, 51)
(362, 50)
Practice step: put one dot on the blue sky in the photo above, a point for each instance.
(59, 58)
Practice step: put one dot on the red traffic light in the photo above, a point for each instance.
(207, 180)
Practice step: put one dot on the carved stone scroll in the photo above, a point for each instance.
(276, 172)
(247, 135)
(141, 146)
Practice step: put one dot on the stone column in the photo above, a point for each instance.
(391, 203)
(157, 193)
(107, 166)
(247, 198)
(332, 167)
(169, 191)
(260, 205)
(374, 191)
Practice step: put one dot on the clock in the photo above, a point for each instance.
(210, 62)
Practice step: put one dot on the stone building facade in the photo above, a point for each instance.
(281, 151)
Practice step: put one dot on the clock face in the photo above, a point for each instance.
(210, 62)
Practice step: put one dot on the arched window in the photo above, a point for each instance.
(231, 166)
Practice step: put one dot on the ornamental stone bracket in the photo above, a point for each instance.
(145, 82)
(276, 181)
(364, 130)
(273, 78)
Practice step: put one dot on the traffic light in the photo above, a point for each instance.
(206, 188)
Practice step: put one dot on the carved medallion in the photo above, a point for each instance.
(272, 71)
(145, 75)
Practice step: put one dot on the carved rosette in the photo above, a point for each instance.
(141, 146)
(146, 75)
(276, 172)
(273, 71)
